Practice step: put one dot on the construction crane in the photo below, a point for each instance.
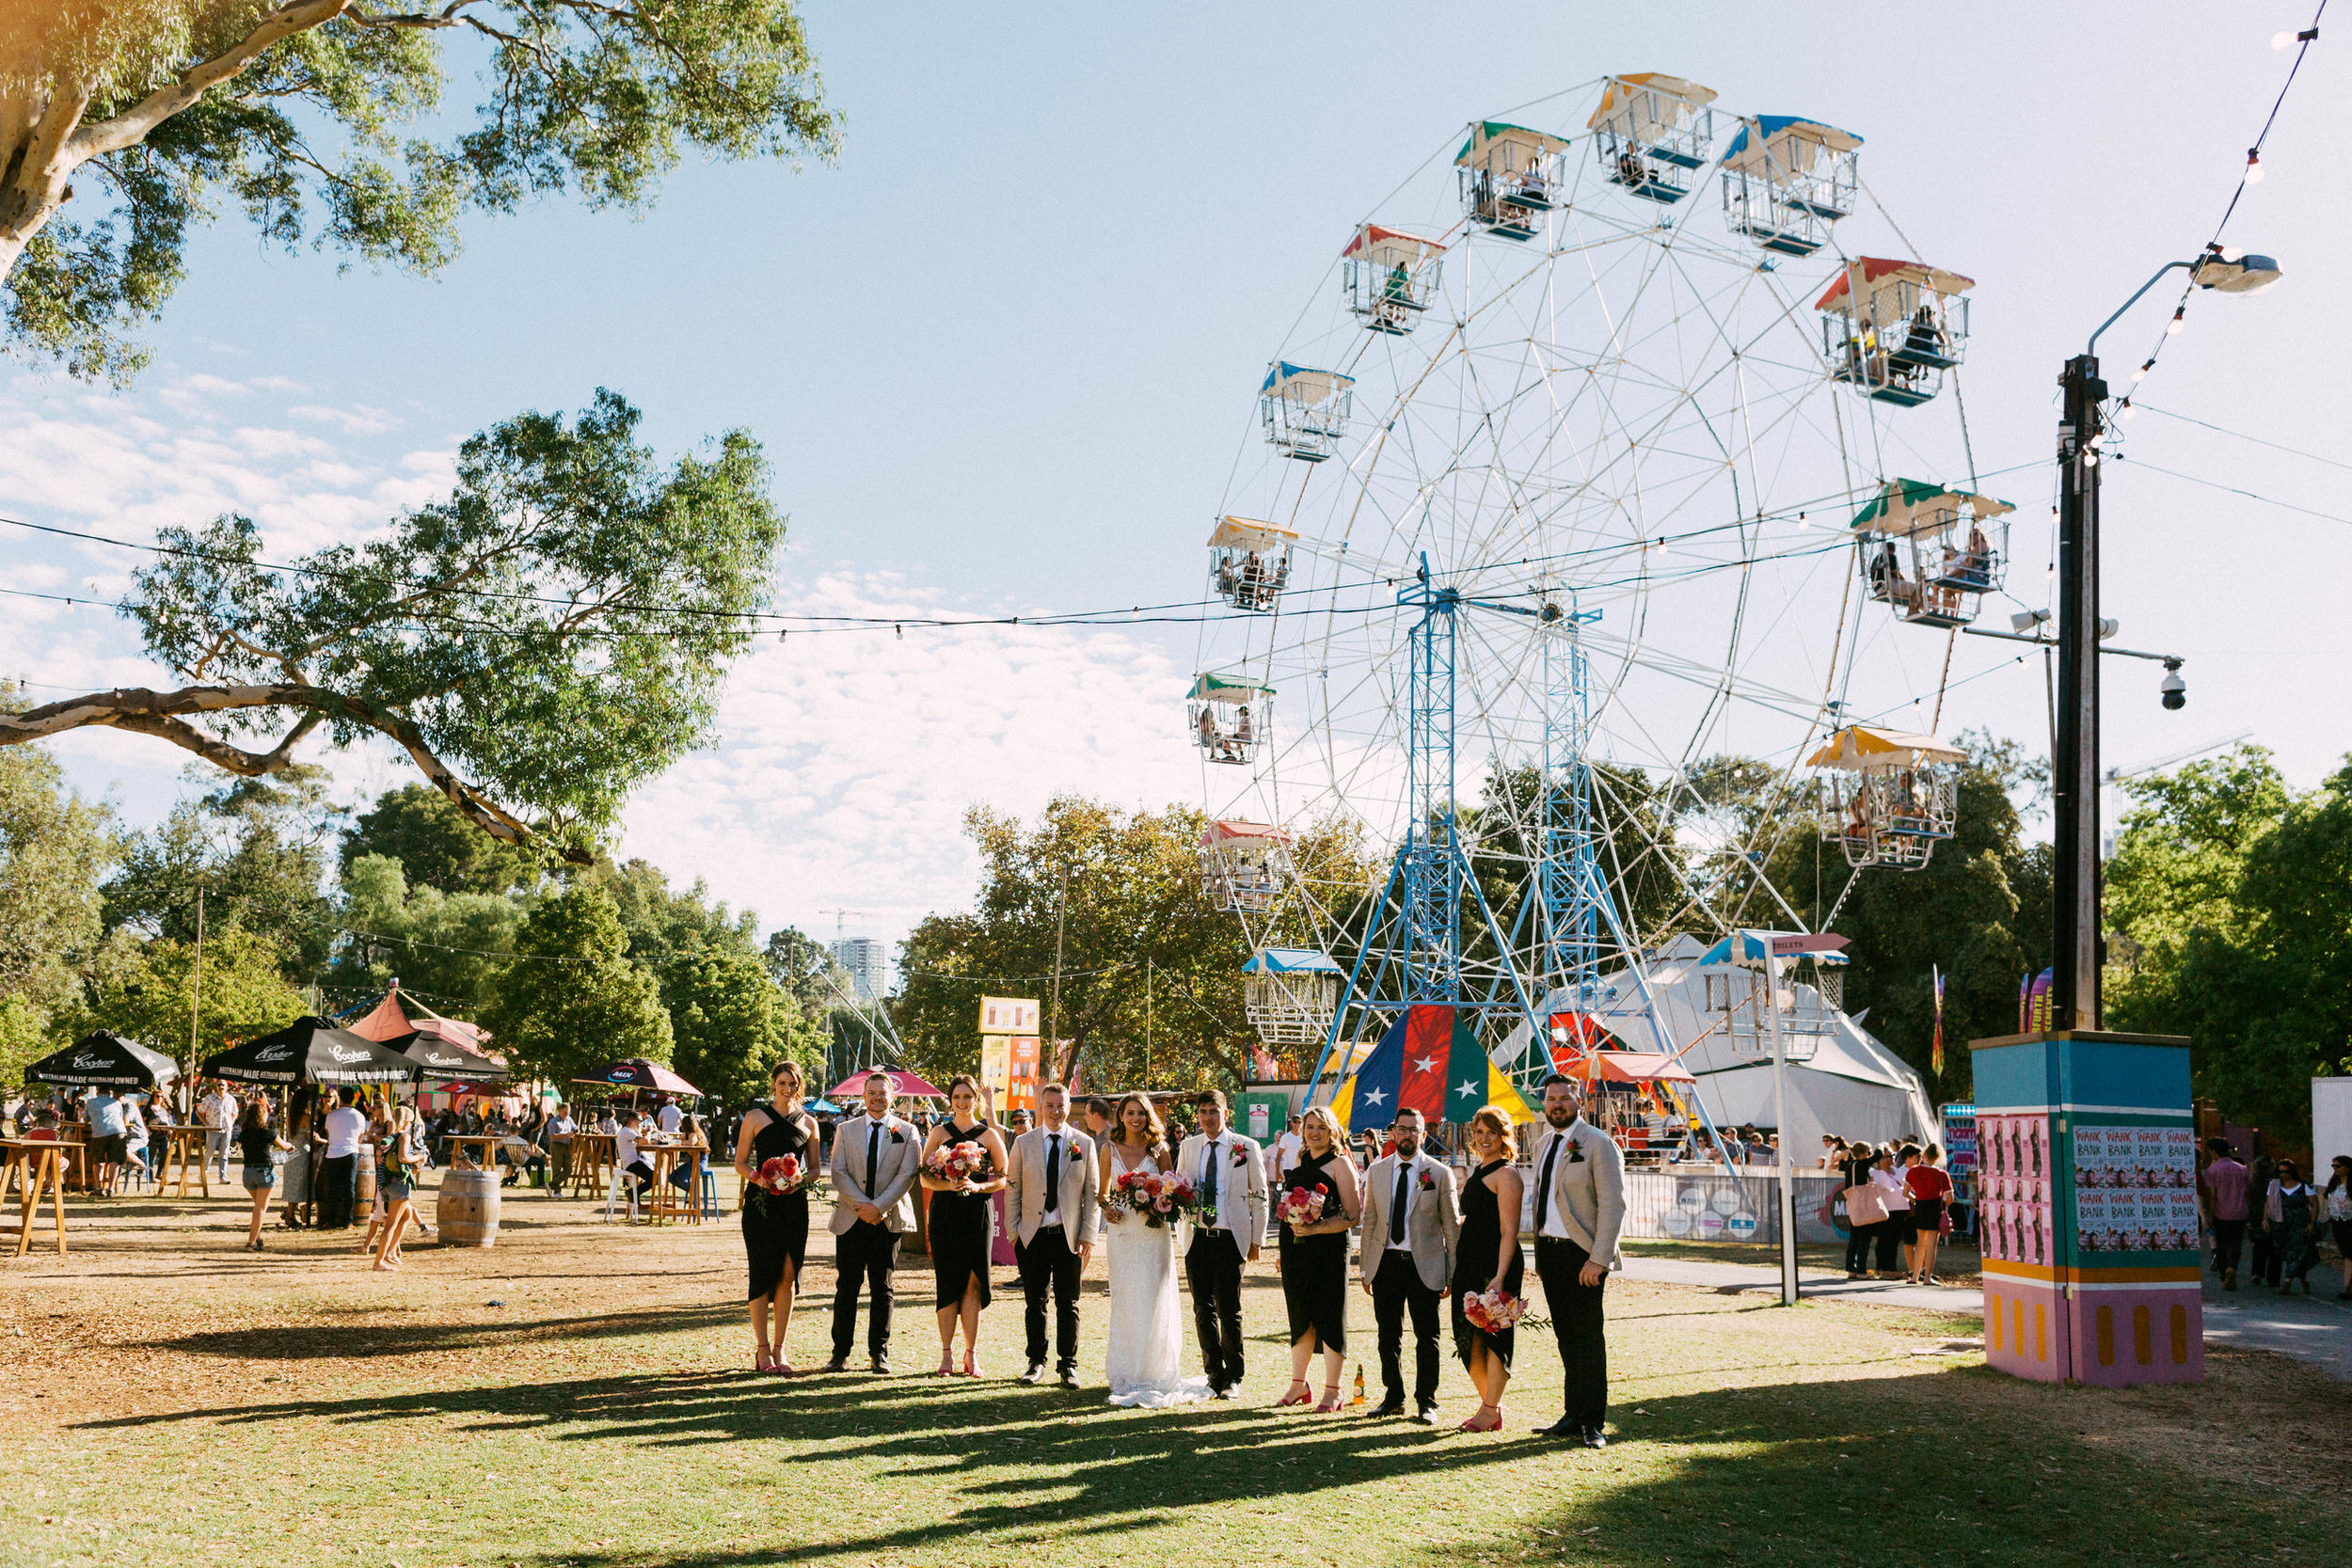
(2117, 775)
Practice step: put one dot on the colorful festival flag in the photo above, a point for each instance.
(1936, 1057)
(1429, 1061)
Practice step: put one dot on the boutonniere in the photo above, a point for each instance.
(896, 1136)
(1240, 1159)
(1428, 1183)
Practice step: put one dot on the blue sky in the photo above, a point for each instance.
(1003, 355)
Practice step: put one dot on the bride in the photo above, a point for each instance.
(1147, 1328)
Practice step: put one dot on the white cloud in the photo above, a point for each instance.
(844, 760)
(359, 420)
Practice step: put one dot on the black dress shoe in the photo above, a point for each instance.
(1069, 1378)
(1592, 1438)
(1561, 1428)
(1426, 1415)
(838, 1364)
(882, 1366)
(1387, 1407)
(1036, 1374)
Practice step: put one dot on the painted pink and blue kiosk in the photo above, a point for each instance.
(2087, 1169)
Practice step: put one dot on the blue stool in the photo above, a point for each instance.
(710, 1192)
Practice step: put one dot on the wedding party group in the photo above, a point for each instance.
(1423, 1234)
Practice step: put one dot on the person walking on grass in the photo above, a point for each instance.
(399, 1153)
(258, 1146)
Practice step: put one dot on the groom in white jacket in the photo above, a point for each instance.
(1229, 1172)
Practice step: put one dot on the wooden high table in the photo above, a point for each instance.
(591, 1162)
(460, 1142)
(187, 1146)
(665, 1201)
(35, 1165)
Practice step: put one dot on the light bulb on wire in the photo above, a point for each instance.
(2141, 374)
(2231, 253)
(2280, 41)
(2172, 328)
(2253, 166)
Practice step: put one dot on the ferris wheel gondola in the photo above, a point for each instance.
(1892, 329)
(1931, 551)
(1525, 548)
(1887, 798)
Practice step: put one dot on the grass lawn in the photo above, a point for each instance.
(580, 1395)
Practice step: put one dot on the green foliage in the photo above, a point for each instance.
(804, 967)
(573, 1001)
(733, 1024)
(1136, 924)
(665, 926)
(53, 849)
(435, 845)
(257, 847)
(437, 944)
(145, 989)
(326, 137)
(558, 629)
(2231, 897)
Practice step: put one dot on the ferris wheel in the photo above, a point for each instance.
(1589, 460)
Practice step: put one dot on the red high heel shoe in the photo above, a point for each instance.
(1305, 1394)
(1474, 1424)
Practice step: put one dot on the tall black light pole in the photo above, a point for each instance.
(2075, 941)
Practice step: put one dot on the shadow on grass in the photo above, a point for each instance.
(1025, 1463)
(317, 1341)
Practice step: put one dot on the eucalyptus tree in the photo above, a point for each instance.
(125, 123)
(551, 634)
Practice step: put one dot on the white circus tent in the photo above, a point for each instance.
(1841, 1078)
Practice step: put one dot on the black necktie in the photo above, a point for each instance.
(873, 1153)
(1404, 1195)
(1543, 1185)
(1053, 1171)
(1208, 1182)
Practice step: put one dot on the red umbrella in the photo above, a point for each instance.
(905, 1084)
(638, 1073)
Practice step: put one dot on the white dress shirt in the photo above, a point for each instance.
(1413, 1196)
(1055, 1137)
(1556, 1147)
(1213, 1155)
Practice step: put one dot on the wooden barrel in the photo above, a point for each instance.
(467, 1213)
(366, 1200)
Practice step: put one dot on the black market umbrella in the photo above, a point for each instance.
(635, 1072)
(444, 1058)
(105, 1059)
(311, 1051)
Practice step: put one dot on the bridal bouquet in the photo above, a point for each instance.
(1159, 1199)
(1300, 1206)
(774, 1179)
(956, 1163)
(1493, 1311)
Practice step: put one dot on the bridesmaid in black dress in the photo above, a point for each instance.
(1487, 1258)
(775, 1224)
(960, 1224)
(1314, 1256)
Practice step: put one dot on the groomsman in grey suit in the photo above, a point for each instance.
(1230, 1173)
(1052, 1192)
(875, 1158)
(1580, 1211)
(1412, 1216)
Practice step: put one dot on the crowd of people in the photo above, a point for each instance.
(1898, 1202)
(1423, 1230)
(2270, 1204)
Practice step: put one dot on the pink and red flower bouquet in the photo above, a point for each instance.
(1300, 1206)
(1493, 1311)
(776, 1177)
(1158, 1199)
(956, 1163)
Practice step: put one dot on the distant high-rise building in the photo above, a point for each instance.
(868, 962)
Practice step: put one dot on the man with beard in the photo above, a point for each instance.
(1580, 1209)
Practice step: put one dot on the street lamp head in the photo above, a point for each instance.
(2242, 275)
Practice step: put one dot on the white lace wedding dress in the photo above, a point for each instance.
(1146, 1359)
